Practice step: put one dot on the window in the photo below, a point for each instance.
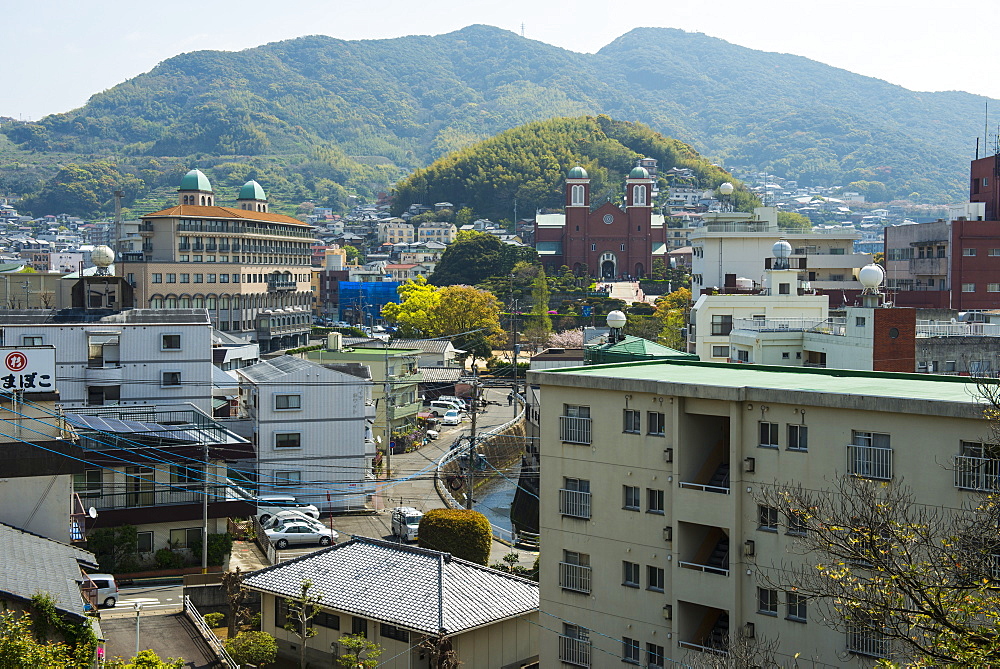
(632, 421)
(797, 524)
(157, 278)
(287, 440)
(211, 278)
(144, 542)
(393, 632)
(720, 351)
(287, 478)
(994, 252)
(969, 252)
(574, 498)
(968, 287)
(287, 402)
(593, 247)
(796, 607)
(179, 474)
(993, 288)
(328, 620)
(185, 537)
(171, 278)
(655, 423)
(654, 501)
(630, 574)
(574, 645)
(88, 484)
(870, 456)
(31, 340)
(654, 578)
(767, 518)
(864, 637)
(103, 395)
(574, 572)
(223, 278)
(768, 435)
(785, 355)
(784, 289)
(102, 350)
(798, 438)
(767, 601)
(654, 656)
(859, 321)
(199, 278)
(631, 651)
(170, 342)
(574, 424)
(742, 355)
(631, 497)
(978, 467)
(359, 626)
(185, 278)
(170, 379)
(722, 324)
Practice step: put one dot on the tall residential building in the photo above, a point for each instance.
(652, 476)
(250, 268)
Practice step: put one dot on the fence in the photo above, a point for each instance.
(206, 632)
(263, 541)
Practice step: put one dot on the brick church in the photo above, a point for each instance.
(609, 242)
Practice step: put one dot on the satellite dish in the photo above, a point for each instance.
(92, 512)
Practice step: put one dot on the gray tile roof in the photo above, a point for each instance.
(30, 563)
(425, 345)
(399, 585)
(441, 374)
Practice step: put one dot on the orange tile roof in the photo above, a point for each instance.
(196, 211)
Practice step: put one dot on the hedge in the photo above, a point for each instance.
(464, 533)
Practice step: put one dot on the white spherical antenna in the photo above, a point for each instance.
(102, 256)
(616, 320)
(871, 276)
(781, 249)
(726, 188)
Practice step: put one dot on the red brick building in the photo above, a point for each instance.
(608, 242)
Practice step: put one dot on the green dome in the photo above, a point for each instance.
(251, 191)
(638, 173)
(577, 173)
(195, 180)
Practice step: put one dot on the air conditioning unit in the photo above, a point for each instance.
(668, 455)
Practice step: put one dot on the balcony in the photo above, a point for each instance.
(574, 651)
(279, 285)
(573, 430)
(574, 577)
(183, 247)
(778, 324)
(867, 642)
(973, 473)
(959, 330)
(871, 462)
(574, 503)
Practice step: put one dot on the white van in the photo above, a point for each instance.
(405, 522)
(107, 589)
(440, 407)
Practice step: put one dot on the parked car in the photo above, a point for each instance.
(107, 589)
(439, 407)
(406, 522)
(282, 518)
(268, 505)
(462, 402)
(300, 533)
(451, 417)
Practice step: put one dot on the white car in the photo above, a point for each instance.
(269, 505)
(282, 518)
(300, 533)
(451, 417)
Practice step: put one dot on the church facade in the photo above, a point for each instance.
(609, 242)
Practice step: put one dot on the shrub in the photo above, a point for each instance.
(257, 648)
(464, 533)
(168, 559)
(214, 619)
(219, 545)
(255, 621)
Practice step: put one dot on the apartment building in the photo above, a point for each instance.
(736, 244)
(437, 231)
(395, 231)
(650, 499)
(236, 262)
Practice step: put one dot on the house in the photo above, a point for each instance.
(401, 597)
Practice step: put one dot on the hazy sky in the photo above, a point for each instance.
(56, 53)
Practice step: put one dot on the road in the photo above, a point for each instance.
(155, 599)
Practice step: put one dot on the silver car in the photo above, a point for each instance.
(300, 533)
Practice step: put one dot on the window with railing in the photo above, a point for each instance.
(574, 498)
(574, 645)
(574, 424)
(866, 640)
(978, 467)
(574, 572)
(870, 456)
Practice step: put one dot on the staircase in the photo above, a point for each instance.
(720, 479)
(718, 638)
(719, 559)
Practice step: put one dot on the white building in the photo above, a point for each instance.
(311, 425)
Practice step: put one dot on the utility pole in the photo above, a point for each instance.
(513, 343)
(204, 513)
(386, 390)
(469, 476)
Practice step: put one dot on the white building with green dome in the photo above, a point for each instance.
(248, 267)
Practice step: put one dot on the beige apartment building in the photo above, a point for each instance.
(650, 509)
(250, 268)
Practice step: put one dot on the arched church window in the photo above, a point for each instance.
(640, 196)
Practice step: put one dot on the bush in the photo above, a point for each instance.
(168, 559)
(214, 619)
(116, 548)
(257, 648)
(464, 533)
(255, 621)
(219, 545)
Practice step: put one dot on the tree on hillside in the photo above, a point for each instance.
(900, 579)
(475, 256)
(671, 313)
(793, 222)
(83, 189)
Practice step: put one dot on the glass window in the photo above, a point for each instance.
(211, 278)
(630, 574)
(88, 484)
(654, 578)
(767, 601)
(631, 650)
(287, 478)
(631, 497)
(768, 434)
(359, 626)
(797, 524)
(170, 379)
(968, 287)
(722, 324)
(796, 604)
(171, 278)
(31, 340)
(767, 518)
(185, 537)
(654, 501)
(656, 423)
(720, 351)
(328, 620)
(157, 278)
(969, 252)
(287, 440)
(199, 278)
(170, 342)
(285, 402)
(185, 278)
(144, 543)
(654, 656)
(393, 632)
(798, 437)
(632, 421)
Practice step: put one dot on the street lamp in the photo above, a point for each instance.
(138, 610)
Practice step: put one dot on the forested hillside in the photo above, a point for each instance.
(358, 114)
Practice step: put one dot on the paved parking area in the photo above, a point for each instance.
(168, 635)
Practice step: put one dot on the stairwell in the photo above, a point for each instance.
(719, 559)
(718, 638)
(720, 479)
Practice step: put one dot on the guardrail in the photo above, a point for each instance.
(208, 635)
(704, 487)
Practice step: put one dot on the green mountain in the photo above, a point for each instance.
(355, 113)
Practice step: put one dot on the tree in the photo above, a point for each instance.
(671, 313)
(471, 317)
(475, 256)
(252, 647)
(116, 548)
(913, 581)
(464, 533)
(567, 339)
(301, 610)
(146, 659)
(792, 221)
(19, 649)
(441, 653)
(353, 254)
(237, 595)
(359, 652)
(415, 312)
(540, 324)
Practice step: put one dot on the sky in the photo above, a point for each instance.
(57, 53)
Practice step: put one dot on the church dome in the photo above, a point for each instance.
(638, 173)
(251, 191)
(577, 173)
(195, 180)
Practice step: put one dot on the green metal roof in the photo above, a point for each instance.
(638, 173)
(195, 180)
(577, 173)
(251, 191)
(632, 349)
